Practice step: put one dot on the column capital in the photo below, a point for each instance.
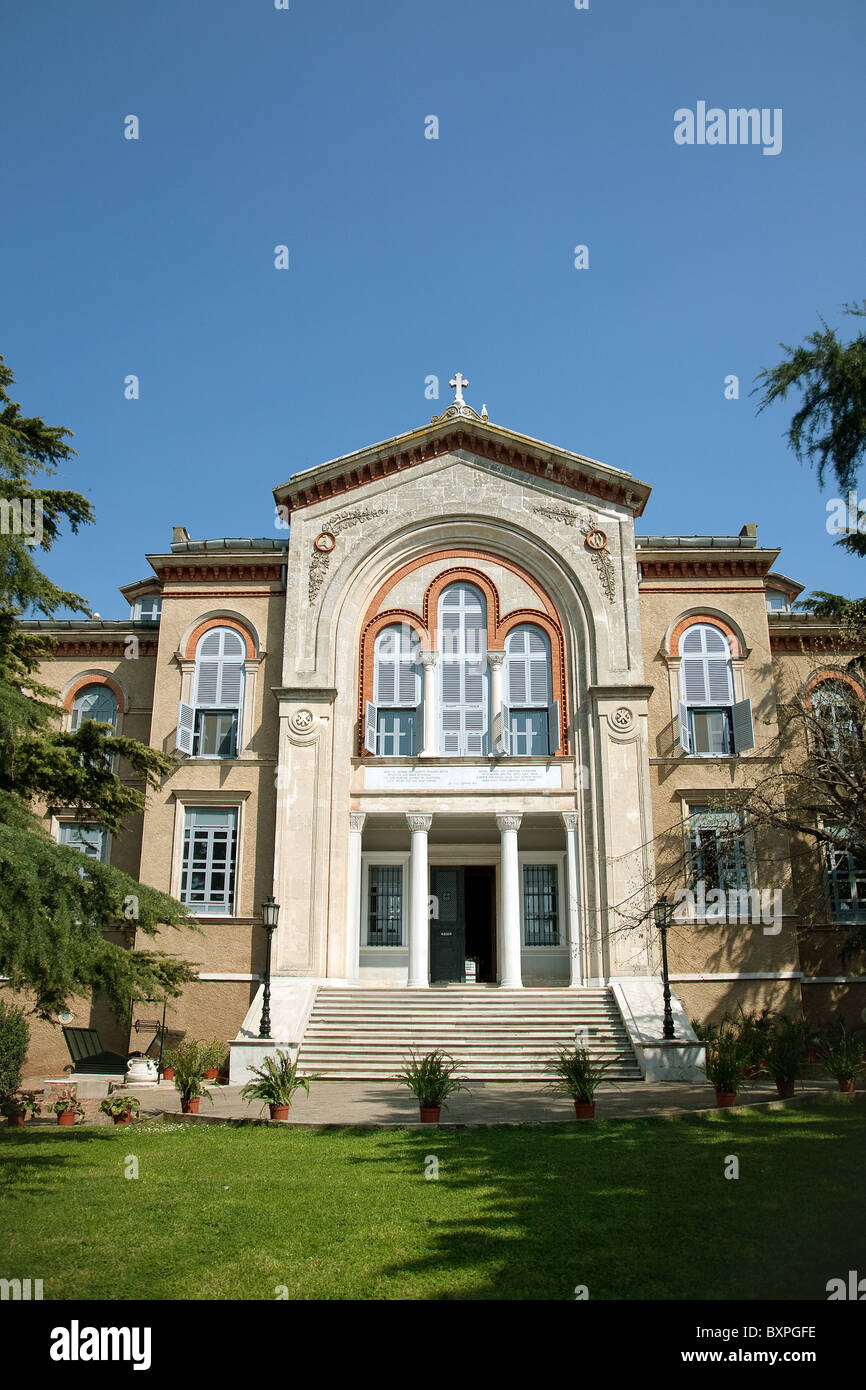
(356, 821)
(418, 822)
(508, 822)
(569, 819)
(428, 660)
(495, 659)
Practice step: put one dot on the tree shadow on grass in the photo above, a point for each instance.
(640, 1209)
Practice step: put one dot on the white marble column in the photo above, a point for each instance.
(495, 661)
(572, 893)
(429, 661)
(353, 896)
(419, 890)
(510, 973)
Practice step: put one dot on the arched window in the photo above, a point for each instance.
(96, 703)
(711, 723)
(208, 728)
(392, 718)
(462, 670)
(530, 717)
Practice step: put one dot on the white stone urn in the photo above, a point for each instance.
(141, 1071)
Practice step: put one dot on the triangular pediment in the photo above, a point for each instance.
(466, 432)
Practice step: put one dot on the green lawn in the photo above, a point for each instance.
(632, 1209)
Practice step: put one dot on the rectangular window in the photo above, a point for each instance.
(711, 731)
(215, 733)
(385, 905)
(717, 851)
(395, 733)
(540, 905)
(89, 839)
(529, 732)
(846, 873)
(207, 883)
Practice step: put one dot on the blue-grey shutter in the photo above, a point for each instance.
(463, 670)
(370, 720)
(553, 727)
(185, 728)
(505, 729)
(744, 729)
(683, 720)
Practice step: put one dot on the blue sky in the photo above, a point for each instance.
(411, 257)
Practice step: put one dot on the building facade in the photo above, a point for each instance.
(447, 716)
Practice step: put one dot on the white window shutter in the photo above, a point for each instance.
(744, 729)
(185, 728)
(370, 720)
(683, 719)
(505, 729)
(231, 685)
(553, 727)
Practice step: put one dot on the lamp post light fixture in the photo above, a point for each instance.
(663, 915)
(270, 917)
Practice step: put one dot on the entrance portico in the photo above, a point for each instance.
(434, 893)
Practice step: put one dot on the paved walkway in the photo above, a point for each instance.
(487, 1103)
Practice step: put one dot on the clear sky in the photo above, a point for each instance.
(411, 256)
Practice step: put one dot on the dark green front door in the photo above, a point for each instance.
(447, 926)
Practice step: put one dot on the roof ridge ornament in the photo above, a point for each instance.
(459, 409)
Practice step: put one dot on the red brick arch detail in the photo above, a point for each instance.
(828, 674)
(82, 682)
(710, 620)
(196, 636)
(497, 627)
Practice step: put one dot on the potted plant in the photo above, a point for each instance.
(167, 1064)
(753, 1030)
(432, 1079)
(215, 1055)
(843, 1054)
(190, 1065)
(120, 1108)
(726, 1064)
(784, 1053)
(67, 1108)
(16, 1107)
(275, 1083)
(578, 1076)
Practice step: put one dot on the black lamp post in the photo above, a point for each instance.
(270, 916)
(663, 914)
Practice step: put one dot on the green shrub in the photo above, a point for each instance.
(786, 1048)
(726, 1064)
(190, 1062)
(576, 1074)
(843, 1052)
(14, 1040)
(276, 1080)
(431, 1078)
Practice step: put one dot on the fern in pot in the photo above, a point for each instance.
(576, 1074)
(784, 1053)
(275, 1083)
(191, 1060)
(727, 1064)
(431, 1079)
(843, 1053)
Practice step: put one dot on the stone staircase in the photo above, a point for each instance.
(497, 1035)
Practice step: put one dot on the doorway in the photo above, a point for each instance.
(464, 923)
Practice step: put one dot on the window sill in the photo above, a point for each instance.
(469, 760)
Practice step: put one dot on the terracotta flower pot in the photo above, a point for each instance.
(430, 1114)
(16, 1121)
(846, 1084)
(122, 1119)
(66, 1117)
(189, 1106)
(725, 1099)
(212, 1073)
(584, 1109)
(168, 1074)
(279, 1112)
(785, 1089)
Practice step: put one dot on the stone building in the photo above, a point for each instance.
(445, 716)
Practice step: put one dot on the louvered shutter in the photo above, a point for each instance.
(553, 727)
(517, 683)
(185, 728)
(683, 720)
(463, 670)
(744, 729)
(505, 729)
(706, 666)
(371, 716)
(539, 668)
